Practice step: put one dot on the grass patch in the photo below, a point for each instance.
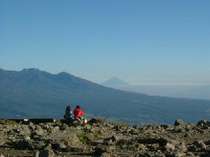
(83, 138)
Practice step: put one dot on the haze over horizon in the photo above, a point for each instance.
(150, 42)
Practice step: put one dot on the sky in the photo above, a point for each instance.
(139, 41)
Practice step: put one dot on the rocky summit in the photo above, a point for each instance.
(101, 138)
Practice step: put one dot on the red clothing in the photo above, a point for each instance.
(78, 113)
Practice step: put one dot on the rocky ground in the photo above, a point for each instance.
(102, 138)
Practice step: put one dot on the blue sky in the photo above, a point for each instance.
(142, 42)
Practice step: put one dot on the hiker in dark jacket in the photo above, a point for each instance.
(68, 114)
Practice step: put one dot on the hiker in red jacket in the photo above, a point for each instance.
(79, 114)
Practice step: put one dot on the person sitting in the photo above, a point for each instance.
(68, 116)
(79, 115)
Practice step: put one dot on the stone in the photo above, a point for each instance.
(99, 150)
(204, 124)
(200, 144)
(27, 138)
(39, 131)
(111, 140)
(106, 155)
(181, 147)
(39, 144)
(179, 154)
(140, 147)
(31, 126)
(190, 154)
(25, 130)
(23, 144)
(187, 135)
(37, 153)
(63, 127)
(179, 129)
(170, 147)
(179, 122)
(46, 153)
(60, 146)
(164, 126)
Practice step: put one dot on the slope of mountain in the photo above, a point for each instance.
(179, 91)
(35, 93)
(115, 82)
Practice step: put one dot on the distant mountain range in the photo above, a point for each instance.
(178, 91)
(35, 93)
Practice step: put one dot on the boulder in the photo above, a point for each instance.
(200, 145)
(23, 144)
(179, 122)
(170, 146)
(39, 131)
(105, 154)
(45, 153)
(111, 140)
(99, 150)
(59, 146)
(204, 124)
